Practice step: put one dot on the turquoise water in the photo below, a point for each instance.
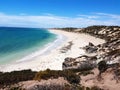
(16, 43)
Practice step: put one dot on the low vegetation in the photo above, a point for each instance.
(69, 75)
(102, 66)
(69, 29)
(84, 73)
(114, 52)
(9, 78)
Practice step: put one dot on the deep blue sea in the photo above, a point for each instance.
(16, 43)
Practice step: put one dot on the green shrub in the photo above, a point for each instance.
(47, 74)
(9, 78)
(70, 76)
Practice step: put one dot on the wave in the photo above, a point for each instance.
(46, 49)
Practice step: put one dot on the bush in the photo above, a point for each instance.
(9, 78)
(47, 74)
(102, 66)
(95, 88)
(70, 76)
(16, 88)
(84, 73)
(117, 72)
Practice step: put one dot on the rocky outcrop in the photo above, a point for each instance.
(81, 63)
(90, 48)
(108, 51)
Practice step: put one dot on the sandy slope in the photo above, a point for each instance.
(107, 82)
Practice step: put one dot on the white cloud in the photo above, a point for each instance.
(89, 16)
(50, 20)
(109, 15)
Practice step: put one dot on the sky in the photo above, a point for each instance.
(59, 13)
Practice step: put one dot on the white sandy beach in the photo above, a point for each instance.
(51, 57)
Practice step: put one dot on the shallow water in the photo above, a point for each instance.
(16, 43)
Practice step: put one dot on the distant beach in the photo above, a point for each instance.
(54, 53)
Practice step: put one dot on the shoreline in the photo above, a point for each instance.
(45, 49)
(52, 58)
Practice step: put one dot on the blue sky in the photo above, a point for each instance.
(59, 13)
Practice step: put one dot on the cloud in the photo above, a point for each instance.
(50, 20)
(89, 16)
(109, 15)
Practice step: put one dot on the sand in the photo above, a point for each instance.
(51, 56)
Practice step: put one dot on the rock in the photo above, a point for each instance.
(82, 63)
(68, 63)
(91, 48)
(91, 44)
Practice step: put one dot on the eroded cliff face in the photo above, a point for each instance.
(108, 51)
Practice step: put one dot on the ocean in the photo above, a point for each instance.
(16, 43)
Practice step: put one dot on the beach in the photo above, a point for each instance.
(53, 55)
